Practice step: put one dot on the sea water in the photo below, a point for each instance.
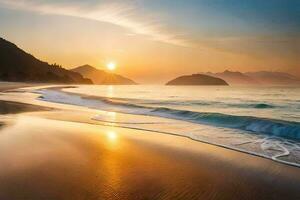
(264, 121)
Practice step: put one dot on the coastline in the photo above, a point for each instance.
(13, 107)
(15, 85)
(62, 98)
(60, 154)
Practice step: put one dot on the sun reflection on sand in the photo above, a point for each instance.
(111, 163)
(112, 136)
(113, 140)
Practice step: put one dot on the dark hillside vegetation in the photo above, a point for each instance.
(19, 66)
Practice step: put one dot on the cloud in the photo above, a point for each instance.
(122, 13)
(257, 46)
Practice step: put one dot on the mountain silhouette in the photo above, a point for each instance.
(102, 77)
(234, 78)
(19, 66)
(197, 79)
(274, 78)
(256, 78)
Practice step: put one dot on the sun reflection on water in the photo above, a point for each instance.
(112, 115)
(110, 91)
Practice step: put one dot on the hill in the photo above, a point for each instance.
(255, 78)
(17, 65)
(101, 77)
(197, 79)
(234, 78)
(274, 78)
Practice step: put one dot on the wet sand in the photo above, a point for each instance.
(44, 155)
(7, 107)
(14, 85)
(11, 107)
(49, 159)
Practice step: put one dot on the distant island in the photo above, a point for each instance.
(19, 66)
(256, 78)
(197, 79)
(101, 77)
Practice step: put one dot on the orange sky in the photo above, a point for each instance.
(154, 42)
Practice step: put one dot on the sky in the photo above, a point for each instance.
(153, 41)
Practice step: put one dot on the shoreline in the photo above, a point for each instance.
(89, 97)
(27, 107)
(15, 85)
(12, 107)
(62, 153)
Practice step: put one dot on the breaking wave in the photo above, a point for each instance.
(272, 127)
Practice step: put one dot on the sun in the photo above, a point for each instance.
(111, 66)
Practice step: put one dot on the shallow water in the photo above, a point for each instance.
(269, 102)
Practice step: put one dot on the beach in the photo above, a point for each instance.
(14, 85)
(54, 151)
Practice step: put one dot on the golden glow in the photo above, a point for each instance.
(111, 66)
(111, 114)
(110, 91)
(113, 140)
(146, 49)
(112, 136)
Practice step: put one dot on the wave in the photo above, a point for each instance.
(271, 127)
(263, 105)
(139, 102)
(248, 105)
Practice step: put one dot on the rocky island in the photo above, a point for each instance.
(197, 79)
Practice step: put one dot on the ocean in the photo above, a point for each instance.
(263, 121)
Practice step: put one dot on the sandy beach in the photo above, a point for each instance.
(14, 85)
(57, 154)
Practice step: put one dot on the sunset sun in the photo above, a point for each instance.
(111, 66)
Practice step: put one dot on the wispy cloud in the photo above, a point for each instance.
(122, 13)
